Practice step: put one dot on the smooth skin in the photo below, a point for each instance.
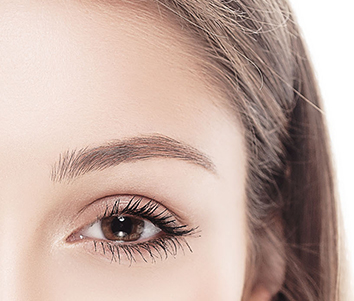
(76, 75)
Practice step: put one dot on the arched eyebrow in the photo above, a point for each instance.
(75, 163)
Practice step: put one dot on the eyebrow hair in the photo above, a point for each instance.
(75, 163)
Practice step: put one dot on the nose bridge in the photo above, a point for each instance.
(12, 259)
(24, 204)
(18, 260)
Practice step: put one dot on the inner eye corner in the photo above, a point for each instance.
(73, 237)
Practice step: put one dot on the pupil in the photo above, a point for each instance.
(122, 228)
(122, 224)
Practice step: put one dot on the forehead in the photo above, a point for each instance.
(85, 72)
(55, 54)
(78, 75)
(51, 43)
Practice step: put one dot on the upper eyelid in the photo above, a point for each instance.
(177, 216)
(94, 210)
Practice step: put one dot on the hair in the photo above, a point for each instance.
(254, 51)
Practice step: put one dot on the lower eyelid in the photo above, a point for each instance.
(151, 251)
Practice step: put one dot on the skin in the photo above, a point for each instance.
(76, 75)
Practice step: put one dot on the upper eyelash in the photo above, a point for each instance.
(160, 247)
(164, 220)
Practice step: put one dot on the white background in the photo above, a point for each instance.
(328, 28)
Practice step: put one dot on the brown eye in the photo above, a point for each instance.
(122, 228)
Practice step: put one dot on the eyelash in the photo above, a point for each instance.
(171, 237)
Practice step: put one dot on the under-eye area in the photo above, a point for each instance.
(132, 229)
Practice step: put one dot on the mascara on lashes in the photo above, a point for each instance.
(169, 240)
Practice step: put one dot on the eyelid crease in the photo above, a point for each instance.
(120, 196)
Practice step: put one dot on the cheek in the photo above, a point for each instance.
(79, 279)
(224, 242)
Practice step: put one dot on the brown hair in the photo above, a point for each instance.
(254, 51)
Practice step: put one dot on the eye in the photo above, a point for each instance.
(121, 229)
(128, 228)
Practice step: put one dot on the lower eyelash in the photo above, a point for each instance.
(158, 249)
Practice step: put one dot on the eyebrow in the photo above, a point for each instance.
(76, 163)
